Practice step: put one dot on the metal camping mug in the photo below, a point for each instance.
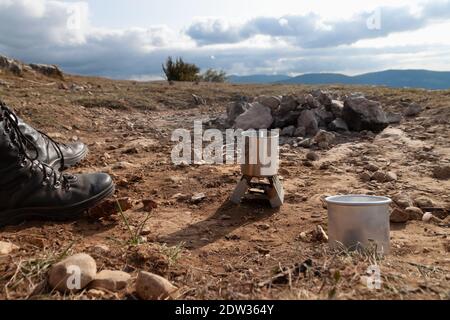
(261, 153)
(359, 221)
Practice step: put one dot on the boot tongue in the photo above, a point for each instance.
(14, 137)
(46, 147)
(15, 152)
(35, 137)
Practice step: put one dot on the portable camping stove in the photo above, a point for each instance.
(255, 171)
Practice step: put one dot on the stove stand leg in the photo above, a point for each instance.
(240, 191)
(276, 192)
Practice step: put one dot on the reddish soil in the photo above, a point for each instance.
(214, 249)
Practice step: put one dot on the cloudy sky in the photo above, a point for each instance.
(131, 38)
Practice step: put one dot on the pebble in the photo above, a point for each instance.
(122, 165)
(149, 205)
(110, 280)
(427, 217)
(306, 143)
(365, 176)
(150, 286)
(303, 236)
(399, 216)
(413, 110)
(180, 197)
(382, 177)
(442, 172)
(423, 202)
(379, 176)
(63, 275)
(198, 197)
(263, 226)
(147, 230)
(101, 249)
(391, 176)
(7, 248)
(371, 167)
(96, 293)
(312, 156)
(402, 200)
(414, 213)
(109, 207)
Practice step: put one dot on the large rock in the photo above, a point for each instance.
(362, 114)
(307, 120)
(300, 132)
(338, 125)
(257, 116)
(110, 280)
(324, 117)
(288, 131)
(73, 273)
(48, 70)
(150, 286)
(336, 108)
(312, 102)
(273, 102)
(282, 120)
(288, 103)
(234, 109)
(323, 97)
(413, 110)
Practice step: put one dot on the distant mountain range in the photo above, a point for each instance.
(258, 78)
(390, 78)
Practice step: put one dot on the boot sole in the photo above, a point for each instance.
(13, 217)
(70, 162)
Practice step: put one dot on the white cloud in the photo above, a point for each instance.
(39, 23)
(61, 32)
(312, 31)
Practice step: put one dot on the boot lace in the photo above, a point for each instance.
(50, 175)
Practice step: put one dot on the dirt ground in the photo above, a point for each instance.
(214, 249)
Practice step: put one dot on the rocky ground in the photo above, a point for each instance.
(178, 222)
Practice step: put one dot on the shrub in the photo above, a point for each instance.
(180, 70)
(212, 75)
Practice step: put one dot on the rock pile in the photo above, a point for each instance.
(306, 114)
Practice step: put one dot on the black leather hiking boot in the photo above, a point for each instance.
(51, 152)
(30, 188)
